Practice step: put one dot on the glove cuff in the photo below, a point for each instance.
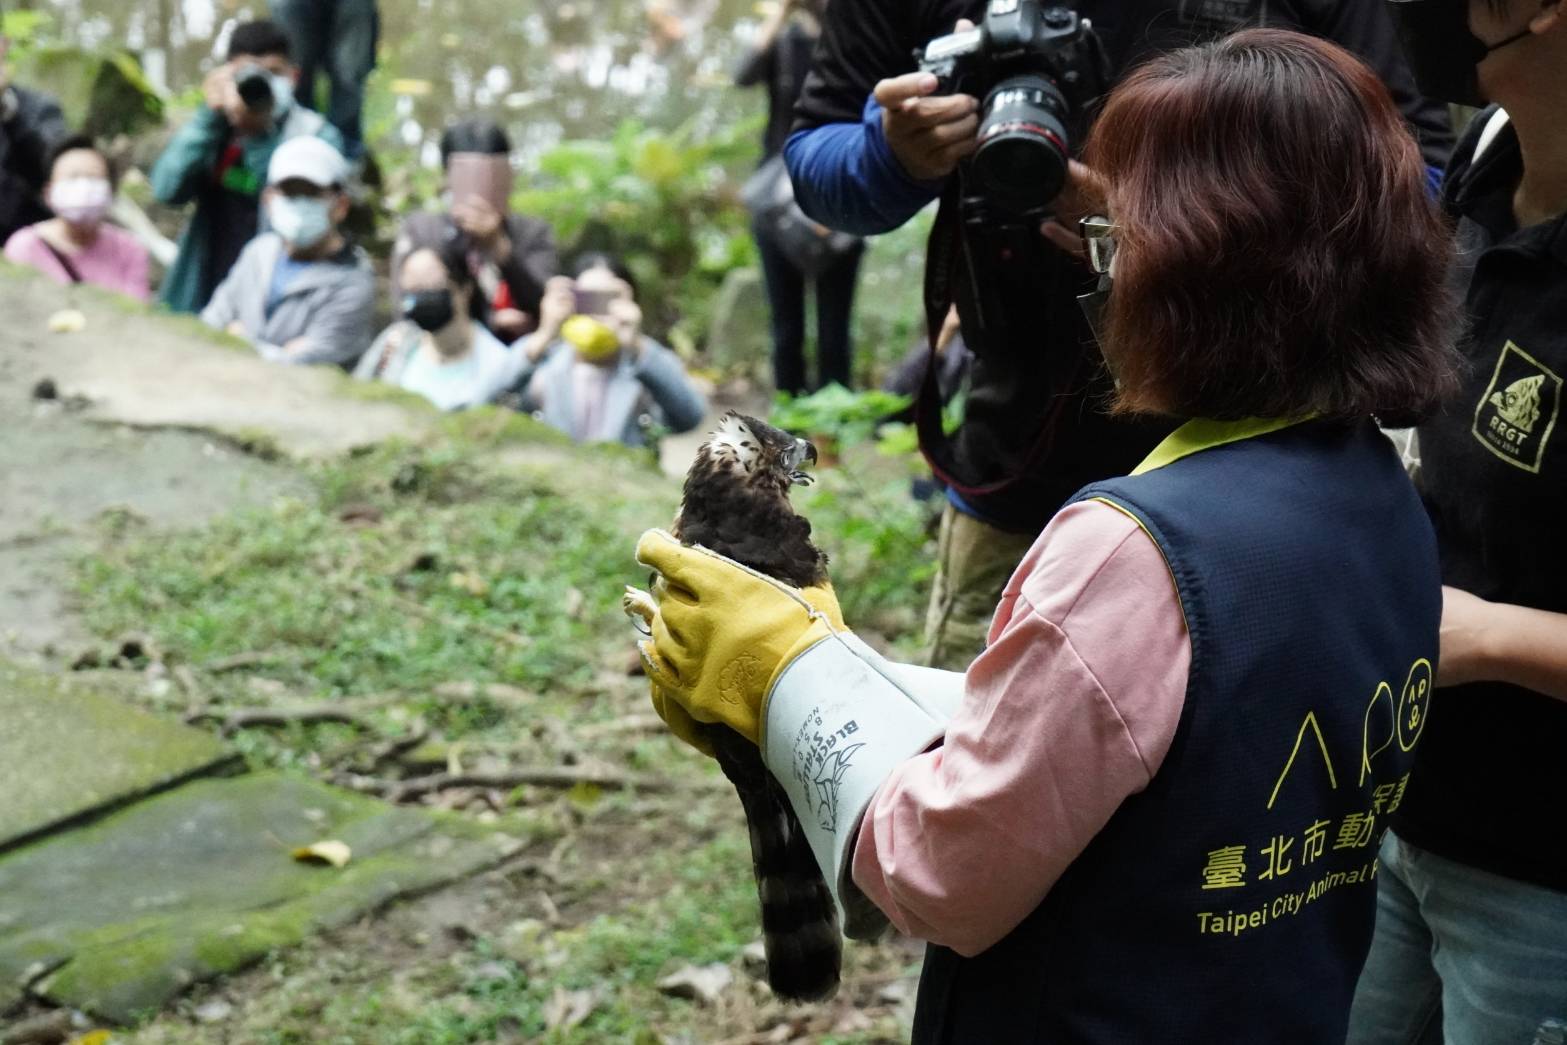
(839, 718)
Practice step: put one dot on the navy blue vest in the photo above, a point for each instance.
(1233, 899)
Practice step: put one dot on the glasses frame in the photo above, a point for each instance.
(1098, 234)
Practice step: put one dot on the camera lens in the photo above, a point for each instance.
(1021, 160)
(255, 88)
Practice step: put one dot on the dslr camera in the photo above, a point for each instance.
(1037, 68)
(255, 88)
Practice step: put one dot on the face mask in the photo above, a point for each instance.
(432, 310)
(302, 221)
(1442, 52)
(282, 95)
(81, 201)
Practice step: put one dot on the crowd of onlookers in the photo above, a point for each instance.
(480, 309)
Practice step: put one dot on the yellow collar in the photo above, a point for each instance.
(1204, 434)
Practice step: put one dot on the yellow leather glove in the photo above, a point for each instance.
(721, 635)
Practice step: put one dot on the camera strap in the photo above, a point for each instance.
(945, 253)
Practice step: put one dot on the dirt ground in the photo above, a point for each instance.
(93, 450)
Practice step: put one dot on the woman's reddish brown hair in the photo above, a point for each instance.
(1277, 253)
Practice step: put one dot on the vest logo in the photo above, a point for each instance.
(1517, 412)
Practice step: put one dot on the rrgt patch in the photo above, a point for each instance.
(1517, 411)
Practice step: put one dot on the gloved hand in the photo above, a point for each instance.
(721, 634)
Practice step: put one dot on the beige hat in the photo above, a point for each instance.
(308, 158)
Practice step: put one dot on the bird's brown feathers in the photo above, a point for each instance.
(737, 504)
(736, 501)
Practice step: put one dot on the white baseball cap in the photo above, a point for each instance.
(308, 158)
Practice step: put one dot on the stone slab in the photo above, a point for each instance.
(66, 751)
(130, 910)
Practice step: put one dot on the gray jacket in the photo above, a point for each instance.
(653, 390)
(331, 304)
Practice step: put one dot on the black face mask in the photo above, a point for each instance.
(430, 309)
(1442, 52)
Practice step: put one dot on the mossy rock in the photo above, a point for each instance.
(103, 93)
(122, 915)
(68, 752)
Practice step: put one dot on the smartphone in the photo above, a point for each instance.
(476, 174)
(594, 302)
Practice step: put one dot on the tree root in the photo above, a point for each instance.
(518, 776)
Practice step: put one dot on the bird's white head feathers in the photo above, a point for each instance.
(749, 444)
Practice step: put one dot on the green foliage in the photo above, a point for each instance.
(862, 513)
(847, 417)
(24, 28)
(662, 201)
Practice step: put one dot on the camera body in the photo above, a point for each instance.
(1036, 67)
(254, 85)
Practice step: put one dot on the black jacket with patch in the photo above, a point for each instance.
(1488, 778)
(1034, 423)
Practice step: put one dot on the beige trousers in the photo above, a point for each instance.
(974, 562)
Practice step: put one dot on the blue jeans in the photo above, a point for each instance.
(337, 37)
(1460, 955)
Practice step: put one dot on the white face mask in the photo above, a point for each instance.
(282, 96)
(81, 201)
(302, 221)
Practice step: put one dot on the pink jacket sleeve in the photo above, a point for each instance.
(1070, 709)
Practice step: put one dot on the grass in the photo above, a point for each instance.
(413, 567)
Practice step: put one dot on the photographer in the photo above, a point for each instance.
(219, 159)
(594, 374)
(875, 141)
(512, 256)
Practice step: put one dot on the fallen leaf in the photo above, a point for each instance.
(566, 1009)
(703, 983)
(330, 851)
(93, 1037)
(67, 321)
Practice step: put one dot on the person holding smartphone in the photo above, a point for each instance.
(598, 377)
(512, 256)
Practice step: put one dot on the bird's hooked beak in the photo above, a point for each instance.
(803, 451)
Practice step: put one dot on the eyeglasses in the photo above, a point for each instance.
(1098, 234)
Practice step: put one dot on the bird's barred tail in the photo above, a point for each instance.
(799, 921)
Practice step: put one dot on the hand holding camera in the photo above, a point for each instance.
(556, 306)
(928, 133)
(1038, 67)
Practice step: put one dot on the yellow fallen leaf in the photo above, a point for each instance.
(67, 321)
(93, 1037)
(330, 851)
